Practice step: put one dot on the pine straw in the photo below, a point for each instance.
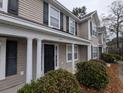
(114, 86)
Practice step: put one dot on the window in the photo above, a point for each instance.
(11, 58)
(45, 13)
(76, 52)
(94, 52)
(69, 53)
(13, 7)
(3, 5)
(54, 17)
(72, 26)
(93, 29)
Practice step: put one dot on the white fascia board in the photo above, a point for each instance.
(30, 25)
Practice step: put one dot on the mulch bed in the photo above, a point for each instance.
(115, 84)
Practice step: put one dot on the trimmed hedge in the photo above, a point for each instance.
(99, 60)
(117, 57)
(108, 58)
(57, 81)
(92, 74)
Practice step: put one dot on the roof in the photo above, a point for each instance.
(88, 15)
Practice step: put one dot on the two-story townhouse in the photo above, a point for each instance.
(37, 36)
(91, 29)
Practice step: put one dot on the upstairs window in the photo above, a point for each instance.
(93, 29)
(3, 5)
(13, 7)
(72, 26)
(54, 17)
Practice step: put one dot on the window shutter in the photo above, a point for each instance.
(91, 28)
(75, 28)
(11, 58)
(67, 23)
(45, 13)
(61, 21)
(13, 6)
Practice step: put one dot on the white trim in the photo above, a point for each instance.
(73, 60)
(29, 61)
(89, 52)
(51, 6)
(5, 6)
(39, 28)
(39, 63)
(89, 30)
(2, 58)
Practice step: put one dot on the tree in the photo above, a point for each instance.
(79, 11)
(114, 21)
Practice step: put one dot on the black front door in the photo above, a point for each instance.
(48, 58)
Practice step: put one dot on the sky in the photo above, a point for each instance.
(100, 5)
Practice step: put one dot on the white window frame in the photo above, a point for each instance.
(94, 30)
(4, 6)
(2, 58)
(95, 51)
(51, 6)
(70, 19)
(67, 51)
(76, 51)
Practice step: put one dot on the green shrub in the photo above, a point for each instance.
(29, 88)
(92, 74)
(108, 58)
(99, 60)
(117, 57)
(59, 81)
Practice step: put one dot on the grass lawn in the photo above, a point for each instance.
(115, 84)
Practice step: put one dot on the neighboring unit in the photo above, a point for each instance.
(37, 36)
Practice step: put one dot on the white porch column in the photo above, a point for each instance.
(73, 61)
(29, 61)
(39, 63)
(89, 52)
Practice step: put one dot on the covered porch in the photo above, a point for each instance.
(39, 50)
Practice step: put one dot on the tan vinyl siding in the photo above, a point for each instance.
(94, 40)
(83, 27)
(62, 58)
(31, 9)
(17, 79)
(83, 53)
